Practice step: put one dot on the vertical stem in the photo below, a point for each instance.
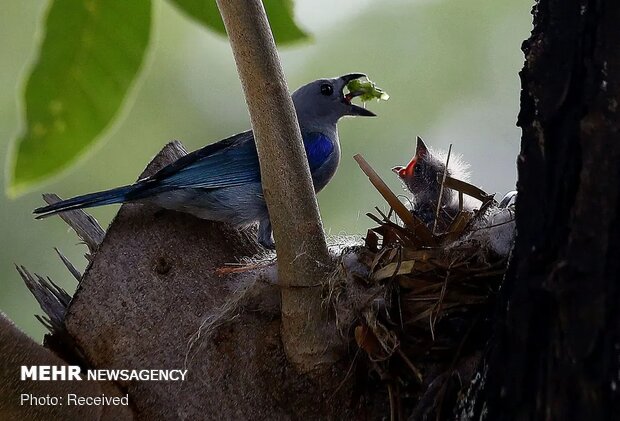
(303, 258)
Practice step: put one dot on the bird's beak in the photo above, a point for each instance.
(351, 76)
(354, 110)
(408, 171)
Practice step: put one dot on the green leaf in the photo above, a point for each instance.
(279, 13)
(90, 55)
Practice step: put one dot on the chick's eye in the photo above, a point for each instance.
(327, 89)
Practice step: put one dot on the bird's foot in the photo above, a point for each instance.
(265, 235)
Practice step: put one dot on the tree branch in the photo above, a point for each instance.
(303, 258)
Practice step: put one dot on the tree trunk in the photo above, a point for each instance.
(303, 259)
(556, 350)
(148, 300)
(160, 293)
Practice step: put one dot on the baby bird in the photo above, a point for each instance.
(423, 176)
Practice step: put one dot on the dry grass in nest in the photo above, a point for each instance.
(433, 292)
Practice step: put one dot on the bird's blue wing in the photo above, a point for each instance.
(230, 162)
(227, 163)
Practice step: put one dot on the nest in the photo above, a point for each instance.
(422, 306)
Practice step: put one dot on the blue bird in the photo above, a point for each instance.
(222, 181)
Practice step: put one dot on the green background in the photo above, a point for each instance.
(450, 67)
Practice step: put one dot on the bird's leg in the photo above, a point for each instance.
(265, 234)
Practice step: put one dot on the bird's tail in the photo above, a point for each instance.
(107, 197)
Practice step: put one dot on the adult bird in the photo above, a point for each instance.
(222, 181)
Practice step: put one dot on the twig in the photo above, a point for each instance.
(499, 224)
(374, 218)
(72, 269)
(52, 298)
(437, 309)
(413, 223)
(468, 189)
(85, 226)
(443, 181)
(416, 371)
(392, 402)
(230, 269)
(383, 215)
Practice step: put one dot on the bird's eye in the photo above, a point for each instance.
(327, 89)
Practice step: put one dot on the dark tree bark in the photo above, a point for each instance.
(556, 350)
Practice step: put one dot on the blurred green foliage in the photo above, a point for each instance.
(280, 13)
(89, 58)
(451, 69)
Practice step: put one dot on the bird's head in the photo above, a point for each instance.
(416, 165)
(423, 174)
(323, 101)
